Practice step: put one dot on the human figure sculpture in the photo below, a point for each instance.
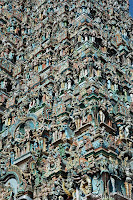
(85, 185)
(102, 116)
(55, 135)
(109, 84)
(127, 130)
(97, 185)
(128, 181)
(113, 184)
(27, 146)
(77, 121)
(84, 117)
(27, 133)
(44, 144)
(86, 71)
(69, 83)
(121, 132)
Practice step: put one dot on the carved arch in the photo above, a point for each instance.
(19, 122)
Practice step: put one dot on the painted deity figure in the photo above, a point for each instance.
(85, 185)
(113, 184)
(77, 122)
(69, 83)
(86, 71)
(127, 132)
(97, 185)
(55, 135)
(12, 157)
(121, 132)
(84, 120)
(102, 116)
(109, 84)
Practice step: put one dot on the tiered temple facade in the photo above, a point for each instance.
(66, 100)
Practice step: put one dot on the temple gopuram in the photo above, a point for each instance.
(66, 100)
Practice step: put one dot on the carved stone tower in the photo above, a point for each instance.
(66, 100)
